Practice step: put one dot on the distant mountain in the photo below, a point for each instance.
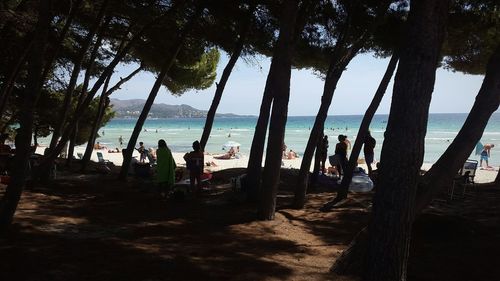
(132, 109)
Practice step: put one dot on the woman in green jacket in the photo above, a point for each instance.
(165, 172)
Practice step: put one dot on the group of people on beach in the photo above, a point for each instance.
(290, 155)
(166, 166)
(339, 160)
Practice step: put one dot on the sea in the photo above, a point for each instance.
(179, 133)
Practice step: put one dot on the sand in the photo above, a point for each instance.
(482, 176)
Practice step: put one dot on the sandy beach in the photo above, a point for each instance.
(482, 176)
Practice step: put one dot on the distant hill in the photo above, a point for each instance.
(132, 109)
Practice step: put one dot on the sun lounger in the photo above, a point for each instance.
(101, 158)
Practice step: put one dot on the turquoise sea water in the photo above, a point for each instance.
(180, 133)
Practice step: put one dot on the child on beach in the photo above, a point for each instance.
(194, 163)
(142, 151)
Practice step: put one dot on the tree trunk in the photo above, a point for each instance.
(49, 159)
(8, 85)
(12, 195)
(220, 89)
(363, 129)
(225, 77)
(71, 146)
(280, 88)
(127, 156)
(403, 148)
(333, 76)
(106, 93)
(254, 167)
(58, 44)
(341, 57)
(74, 77)
(497, 179)
(103, 102)
(445, 169)
(123, 81)
(487, 101)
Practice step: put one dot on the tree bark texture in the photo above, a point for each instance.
(446, 167)
(74, 77)
(403, 147)
(12, 195)
(254, 167)
(363, 128)
(280, 88)
(127, 156)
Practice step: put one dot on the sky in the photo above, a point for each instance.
(454, 92)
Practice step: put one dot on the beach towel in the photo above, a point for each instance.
(165, 166)
(479, 148)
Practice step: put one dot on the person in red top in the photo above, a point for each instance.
(194, 163)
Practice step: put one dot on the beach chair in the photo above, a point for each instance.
(101, 158)
(465, 176)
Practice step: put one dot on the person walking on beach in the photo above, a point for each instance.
(120, 141)
(194, 163)
(165, 168)
(485, 154)
(368, 149)
(142, 151)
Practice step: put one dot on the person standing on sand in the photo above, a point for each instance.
(368, 149)
(485, 154)
(165, 168)
(194, 163)
(341, 153)
(323, 153)
(120, 141)
(142, 151)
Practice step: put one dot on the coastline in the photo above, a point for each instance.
(482, 176)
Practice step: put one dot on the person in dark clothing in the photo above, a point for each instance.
(368, 149)
(341, 153)
(194, 163)
(323, 153)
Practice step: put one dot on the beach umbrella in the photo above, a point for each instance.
(230, 144)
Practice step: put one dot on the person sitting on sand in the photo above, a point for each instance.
(116, 150)
(230, 154)
(99, 146)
